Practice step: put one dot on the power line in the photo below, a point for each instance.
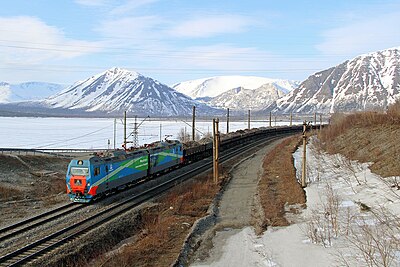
(70, 139)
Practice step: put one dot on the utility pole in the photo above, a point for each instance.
(227, 121)
(215, 150)
(194, 123)
(248, 120)
(320, 122)
(270, 119)
(291, 118)
(304, 165)
(136, 126)
(125, 129)
(115, 131)
(160, 132)
(135, 133)
(185, 136)
(315, 119)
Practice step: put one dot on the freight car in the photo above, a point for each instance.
(92, 176)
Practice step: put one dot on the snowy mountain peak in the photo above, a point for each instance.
(214, 86)
(243, 99)
(116, 90)
(367, 82)
(27, 91)
(115, 71)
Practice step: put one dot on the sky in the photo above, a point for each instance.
(176, 40)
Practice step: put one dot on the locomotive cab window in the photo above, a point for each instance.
(79, 171)
(96, 171)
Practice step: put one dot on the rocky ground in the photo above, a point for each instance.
(30, 184)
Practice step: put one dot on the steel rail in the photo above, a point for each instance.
(26, 225)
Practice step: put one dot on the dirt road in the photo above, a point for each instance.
(235, 207)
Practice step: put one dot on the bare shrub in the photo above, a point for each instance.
(331, 209)
(374, 240)
(323, 224)
(183, 135)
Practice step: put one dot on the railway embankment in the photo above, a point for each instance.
(29, 185)
(367, 137)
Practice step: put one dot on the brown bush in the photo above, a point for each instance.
(366, 137)
(340, 123)
(165, 227)
(394, 111)
(7, 193)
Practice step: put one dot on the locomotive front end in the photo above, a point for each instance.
(78, 181)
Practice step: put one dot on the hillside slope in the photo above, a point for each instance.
(366, 82)
(367, 137)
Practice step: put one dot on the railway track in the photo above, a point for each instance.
(11, 231)
(40, 247)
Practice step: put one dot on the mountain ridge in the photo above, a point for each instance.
(26, 91)
(214, 86)
(367, 82)
(116, 90)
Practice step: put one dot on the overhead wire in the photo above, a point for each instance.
(70, 139)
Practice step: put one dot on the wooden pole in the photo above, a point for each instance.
(291, 119)
(227, 121)
(214, 151)
(217, 151)
(115, 132)
(315, 119)
(248, 120)
(320, 121)
(194, 123)
(270, 119)
(304, 165)
(136, 133)
(160, 132)
(125, 130)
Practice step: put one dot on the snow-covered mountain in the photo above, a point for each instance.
(367, 82)
(117, 90)
(214, 86)
(243, 99)
(27, 91)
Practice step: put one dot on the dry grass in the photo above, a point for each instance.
(8, 193)
(367, 137)
(165, 228)
(278, 185)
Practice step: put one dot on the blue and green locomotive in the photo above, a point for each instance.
(91, 176)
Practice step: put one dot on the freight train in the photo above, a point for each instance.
(93, 176)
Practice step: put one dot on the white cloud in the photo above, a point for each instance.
(208, 26)
(367, 35)
(92, 2)
(129, 6)
(29, 40)
(134, 33)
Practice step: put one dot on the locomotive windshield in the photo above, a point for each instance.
(79, 171)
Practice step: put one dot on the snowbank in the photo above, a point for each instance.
(351, 219)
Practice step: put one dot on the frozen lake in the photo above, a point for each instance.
(88, 133)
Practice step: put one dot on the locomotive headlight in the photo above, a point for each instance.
(88, 184)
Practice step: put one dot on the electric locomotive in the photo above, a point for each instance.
(91, 176)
